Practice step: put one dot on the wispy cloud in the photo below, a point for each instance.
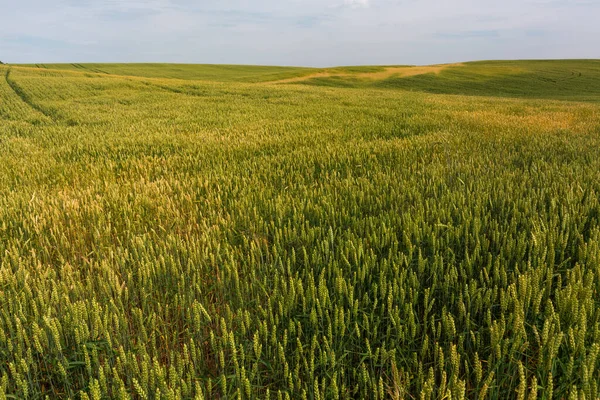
(469, 34)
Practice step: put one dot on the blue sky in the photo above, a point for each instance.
(297, 32)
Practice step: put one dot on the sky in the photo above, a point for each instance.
(315, 33)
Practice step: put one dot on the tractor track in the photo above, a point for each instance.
(25, 97)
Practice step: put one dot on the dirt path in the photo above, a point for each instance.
(387, 73)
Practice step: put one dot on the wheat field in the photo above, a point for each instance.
(215, 232)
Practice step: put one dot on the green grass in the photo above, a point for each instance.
(186, 239)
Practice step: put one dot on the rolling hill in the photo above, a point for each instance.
(576, 80)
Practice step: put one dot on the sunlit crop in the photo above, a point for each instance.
(185, 239)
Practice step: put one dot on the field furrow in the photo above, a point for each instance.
(13, 106)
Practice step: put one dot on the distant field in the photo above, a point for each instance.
(386, 232)
(545, 79)
(216, 73)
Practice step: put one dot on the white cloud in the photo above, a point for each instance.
(356, 3)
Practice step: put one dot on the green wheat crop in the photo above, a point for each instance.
(167, 238)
